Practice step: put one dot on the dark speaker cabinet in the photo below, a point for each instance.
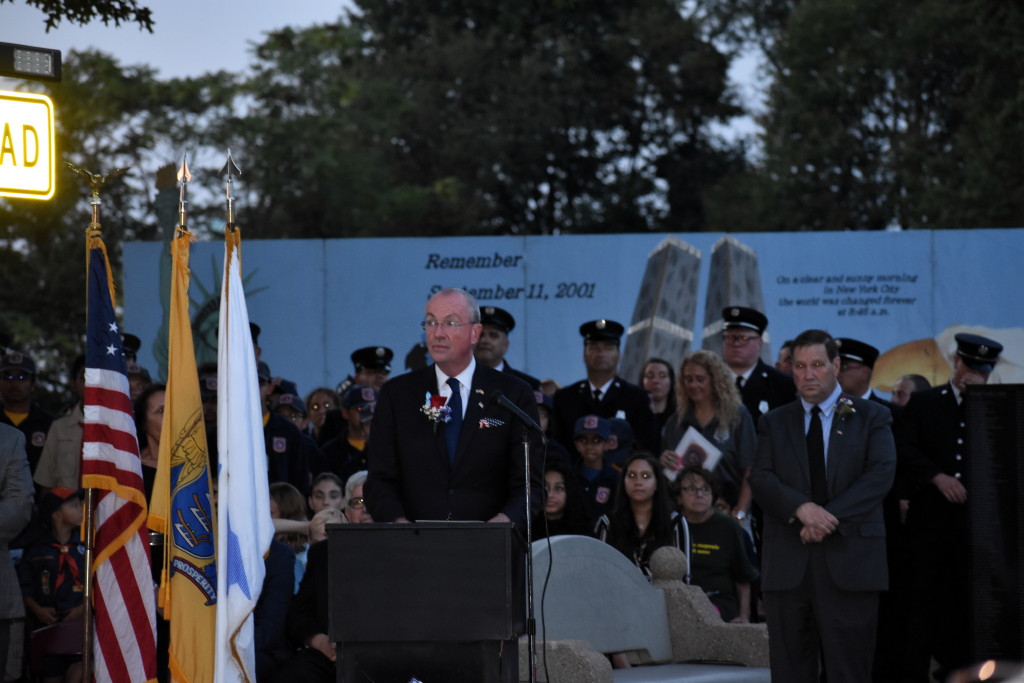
(995, 421)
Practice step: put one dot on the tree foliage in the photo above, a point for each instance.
(479, 117)
(117, 11)
(892, 113)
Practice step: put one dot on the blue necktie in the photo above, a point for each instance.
(452, 429)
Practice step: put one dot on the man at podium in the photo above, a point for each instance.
(441, 448)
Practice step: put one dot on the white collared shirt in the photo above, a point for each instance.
(465, 382)
(603, 388)
(746, 375)
(828, 410)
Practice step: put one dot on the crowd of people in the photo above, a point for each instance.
(798, 496)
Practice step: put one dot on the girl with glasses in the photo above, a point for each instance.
(714, 544)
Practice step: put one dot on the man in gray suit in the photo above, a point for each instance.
(823, 466)
(15, 510)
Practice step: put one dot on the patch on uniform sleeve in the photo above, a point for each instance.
(603, 493)
(280, 444)
(38, 439)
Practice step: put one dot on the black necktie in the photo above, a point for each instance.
(452, 429)
(597, 395)
(816, 458)
(739, 383)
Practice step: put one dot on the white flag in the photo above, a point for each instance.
(243, 510)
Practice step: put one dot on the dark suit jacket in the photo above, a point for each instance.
(575, 401)
(409, 475)
(308, 614)
(861, 464)
(769, 385)
(270, 617)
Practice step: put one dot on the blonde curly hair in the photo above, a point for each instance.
(724, 395)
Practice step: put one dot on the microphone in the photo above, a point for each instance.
(500, 399)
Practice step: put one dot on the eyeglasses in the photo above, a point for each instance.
(640, 475)
(446, 324)
(318, 406)
(739, 339)
(696, 490)
(357, 503)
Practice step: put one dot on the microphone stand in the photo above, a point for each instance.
(527, 423)
(531, 622)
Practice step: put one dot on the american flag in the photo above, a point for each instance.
(124, 640)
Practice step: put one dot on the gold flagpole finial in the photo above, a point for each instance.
(96, 182)
(184, 178)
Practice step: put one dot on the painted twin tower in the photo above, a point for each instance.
(666, 305)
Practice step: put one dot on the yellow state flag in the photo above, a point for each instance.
(182, 506)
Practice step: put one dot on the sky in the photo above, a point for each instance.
(190, 37)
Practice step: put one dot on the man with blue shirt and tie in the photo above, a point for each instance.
(823, 466)
(439, 447)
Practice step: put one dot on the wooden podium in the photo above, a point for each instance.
(438, 601)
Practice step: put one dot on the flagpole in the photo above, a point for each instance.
(245, 530)
(96, 182)
(181, 506)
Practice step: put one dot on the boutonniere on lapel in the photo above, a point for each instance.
(436, 410)
(844, 408)
(488, 422)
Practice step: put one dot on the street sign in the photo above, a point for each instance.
(26, 146)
